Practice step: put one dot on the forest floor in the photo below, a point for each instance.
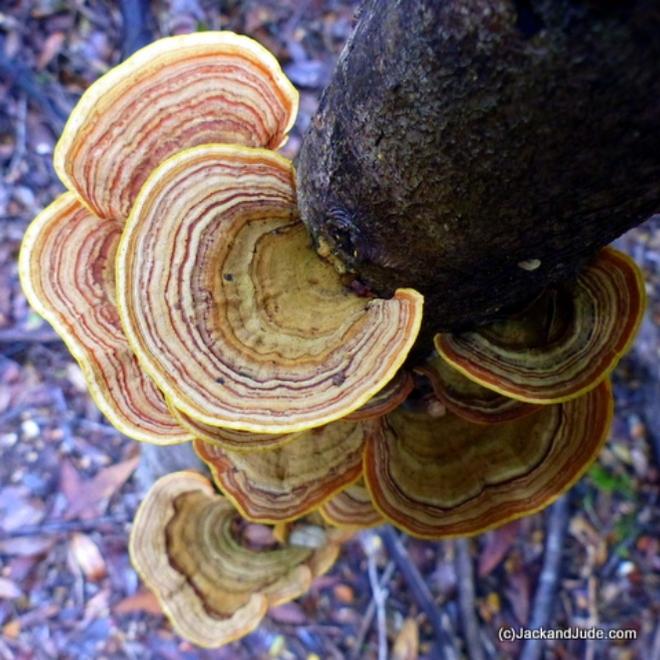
(67, 479)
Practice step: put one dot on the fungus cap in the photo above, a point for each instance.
(440, 477)
(229, 438)
(290, 481)
(212, 586)
(564, 344)
(391, 396)
(351, 508)
(175, 93)
(231, 311)
(66, 266)
(468, 399)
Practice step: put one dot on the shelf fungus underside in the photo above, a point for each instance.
(443, 476)
(468, 399)
(351, 508)
(288, 482)
(565, 343)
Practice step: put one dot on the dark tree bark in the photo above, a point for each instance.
(478, 150)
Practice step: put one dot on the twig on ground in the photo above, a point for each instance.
(136, 29)
(379, 597)
(419, 591)
(50, 527)
(13, 171)
(368, 618)
(465, 585)
(655, 647)
(544, 598)
(23, 78)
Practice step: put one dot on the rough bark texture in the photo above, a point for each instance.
(462, 142)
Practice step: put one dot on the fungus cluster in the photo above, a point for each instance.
(180, 276)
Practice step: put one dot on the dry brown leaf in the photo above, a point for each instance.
(498, 543)
(50, 49)
(289, 613)
(12, 629)
(518, 592)
(87, 557)
(18, 510)
(71, 483)
(142, 601)
(406, 644)
(26, 546)
(97, 607)
(9, 589)
(590, 538)
(95, 493)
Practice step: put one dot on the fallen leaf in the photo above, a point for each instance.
(290, 613)
(12, 629)
(97, 607)
(50, 49)
(343, 593)
(497, 544)
(26, 546)
(9, 589)
(95, 493)
(406, 644)
(87, 557)
(590, 538)
(18, 510)
(142, 601)
(518, 595)
(71, 483)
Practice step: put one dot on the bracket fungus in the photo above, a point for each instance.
(440, 477)
(468, 399)
(214, 587)
(180, 276)
(175, 93)
(66, 267)
(231, 311)
(288, 482)
(389, 398)
(351, 508)
(564, 343)
(229, 438)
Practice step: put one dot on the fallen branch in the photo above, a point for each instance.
(465, 584)
(544, 598)
(418, 590)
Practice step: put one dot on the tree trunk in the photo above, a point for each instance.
(478, 150)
